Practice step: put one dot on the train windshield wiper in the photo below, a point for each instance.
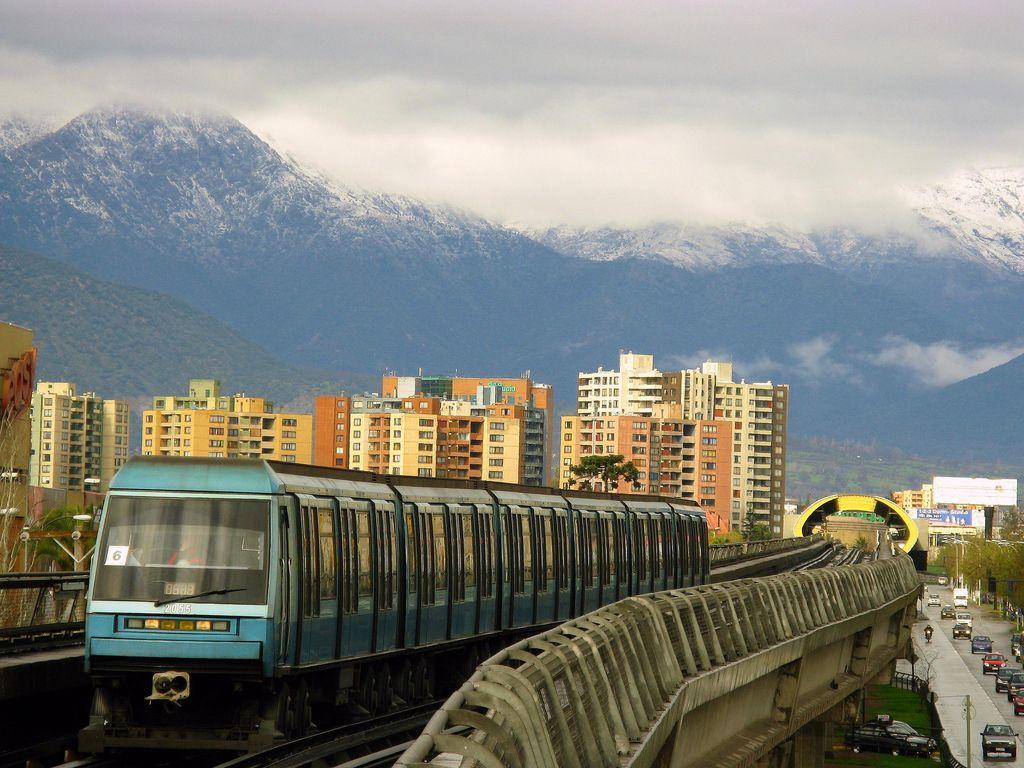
(207, 593)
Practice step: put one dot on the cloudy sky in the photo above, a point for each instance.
(802, 113)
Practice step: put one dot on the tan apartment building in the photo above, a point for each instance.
(17, 378)
(428, 436)
(758, 412)
(79, 440)
(536, 400)
(920, 498)
(754, 469)
(675, 457)
(207, 423)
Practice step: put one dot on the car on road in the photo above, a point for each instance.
(943, 581)
(992, 663)
(947, 612)
(1015, 644)
(1018, 705)
(998, 739)
(961, 630)
(981, 644)
(933, 600)
(962, 617)
(1002, 676)
(1014, 684)
(883, 734)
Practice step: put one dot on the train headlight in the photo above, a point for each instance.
(203, 624)
(152, 624)
(170, 686)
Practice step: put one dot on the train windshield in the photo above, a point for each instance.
(167, 548)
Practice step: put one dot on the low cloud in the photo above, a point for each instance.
(808, 361)
(943, 362)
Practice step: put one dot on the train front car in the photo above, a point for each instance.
(179, 628)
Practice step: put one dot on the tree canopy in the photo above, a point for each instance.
(609, 469)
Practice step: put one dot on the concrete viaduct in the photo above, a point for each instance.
(745, 673)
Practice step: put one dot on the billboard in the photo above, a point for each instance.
(949, 516)
(974, 490)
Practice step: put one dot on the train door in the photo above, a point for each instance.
(562, 570)
(545, 565)
(587, 560)
(434, 573)
(357, 563)
(519, 557)
(704, 558)
(694, 533)
(385, 575)
(318, 579)
(641, 556)
(661, 554)
(486, 571)
(288, 587)
(464, 559)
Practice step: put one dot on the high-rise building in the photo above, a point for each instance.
(17, 372)
(759, 413)
(430, 436)
(78, 440)
(919, 498)
(633, 390)
(207, 423)
(536, 399)
(750, 418)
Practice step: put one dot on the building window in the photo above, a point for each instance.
(495, 475)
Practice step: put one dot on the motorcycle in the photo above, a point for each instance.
(928, 634)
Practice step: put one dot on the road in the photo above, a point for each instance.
(954, 672)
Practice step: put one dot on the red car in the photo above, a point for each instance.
(992, 663)
(1018, 704)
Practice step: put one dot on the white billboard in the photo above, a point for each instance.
(974, 490)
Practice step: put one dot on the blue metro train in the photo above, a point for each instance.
(235, 602)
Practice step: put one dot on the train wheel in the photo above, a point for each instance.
(404, 682)
(276, 711)
(421, 680)
(384, 693)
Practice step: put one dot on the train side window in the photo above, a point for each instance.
(385, 560)
(364, 547)
(562, 532)
(439, 551)
(608, 551)
(692, 531)
(527, 552)
(542, 522)
(641, 548)
(594, 559)
(486, 565)
(659, 548)
(328, 559)
(509, 574)
(468, 552)
(349, 563)
(310, 562)
(412, 559)
(458, 558)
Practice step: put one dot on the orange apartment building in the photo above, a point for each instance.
(429, 437)
(676, 457)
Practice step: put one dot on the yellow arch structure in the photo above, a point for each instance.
(816, 513)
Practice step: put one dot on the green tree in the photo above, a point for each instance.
(861, 543)
(751, 530)
(607, 469)
(1012, 528)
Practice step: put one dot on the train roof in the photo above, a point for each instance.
(208, 475)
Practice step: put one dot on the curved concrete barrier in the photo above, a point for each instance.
(711, 675)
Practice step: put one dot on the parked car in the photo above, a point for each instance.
(1018, 705)
(1015, 644)
(1002, 676)
(947, 612)
(998, 739)
(1014, 684)
(933, 600)
(981, 644)
(883, 734)
(992, 663)
(961, 630)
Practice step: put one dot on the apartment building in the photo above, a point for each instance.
(675, 457)
(207, 423)
(428, 436)
(481, 391)
(743, 423)
(17, 376)
(632, 390)
(78, 440)
(758, 412)
(919, 498)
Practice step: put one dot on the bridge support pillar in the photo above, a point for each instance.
(810, 743)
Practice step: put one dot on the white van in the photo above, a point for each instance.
(959, 597)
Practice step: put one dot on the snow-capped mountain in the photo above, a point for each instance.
(16, 130)
(982, 211)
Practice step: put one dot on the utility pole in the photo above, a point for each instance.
(967, 719)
